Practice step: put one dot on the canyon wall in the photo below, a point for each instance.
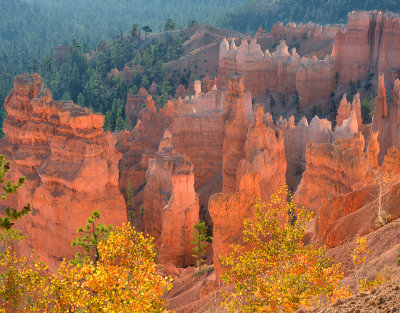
(297, 137)
(140, 145)
(342, 217)
(281, 71)
(259, 174)
(171, 205)
(369, 44)
(317, 32)
(235, 130)
(337, 168)
(70, 163)
(386, 119)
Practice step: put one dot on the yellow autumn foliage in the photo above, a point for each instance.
(123, 280)
(274, 271)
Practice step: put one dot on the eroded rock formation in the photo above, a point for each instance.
(235, 130)
(134, 106)
(70, 163)
(259, 174)
(386, 119)
(303, 31)
(337, 168)
(171, 205)
(140, 145)
(342, 217)
(345, 109)
(315, 80)
(280, 71)
(370, 43)
(348, 129)
(297, 137)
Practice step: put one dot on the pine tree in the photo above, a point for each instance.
(6, 223)
(93, 235)
(200, 241)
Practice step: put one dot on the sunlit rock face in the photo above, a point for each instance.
(140, 145)
(70, 163)
(386, 119)
(293, 31)
(235, 131)
(342, 217)
(297, 137)
(370, 43)
(337, 168)
(259, 174)
(282, 71)
(171, 205)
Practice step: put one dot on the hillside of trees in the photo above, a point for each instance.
(31, 30)
(254, 13)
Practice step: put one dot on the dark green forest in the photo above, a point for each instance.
(254, 13)
(31, 30)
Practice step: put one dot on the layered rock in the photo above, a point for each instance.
(315, 80)
(370, 43)
(70, 163)
(235, 131)
(337, 168)
(281, 71)
(134, 106)
(386, 119)
(273, 72)
(297, 137)
(260, 173)
(139, 145)
(342, 217)
(198, 132)
(291, 31)
(171, 205)
(265, 155)
(228, 212)
(345, 109)
(348, 129)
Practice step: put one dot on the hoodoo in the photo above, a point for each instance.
(71, 166)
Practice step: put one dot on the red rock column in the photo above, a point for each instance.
(235, 131)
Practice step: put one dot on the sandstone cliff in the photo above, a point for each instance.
(386, 119)
(345, 109)
(315, 80)
(171, 205)
(70, 163)
(342, 217)
(297, 137)
(281, 71)
(337, 168)
(303, 31)
(369, 44)
(235, 130)
(139, 145)
(259, 174)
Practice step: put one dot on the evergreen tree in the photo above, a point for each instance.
(200, 242)
(93, 234)
(169, 25)
(147, 30)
